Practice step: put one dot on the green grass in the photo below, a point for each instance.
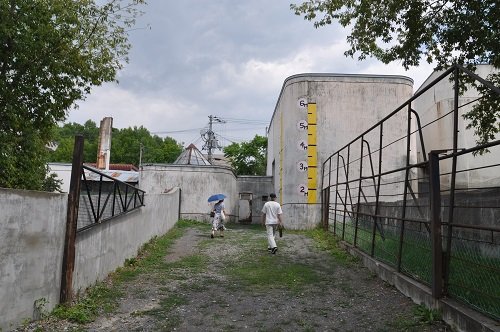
(422, 316)
(103, 297)
(99, 298)
(326, 242)
(272, 271)
(474, 279)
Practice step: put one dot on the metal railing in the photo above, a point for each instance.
(434, 217)
(103, 197)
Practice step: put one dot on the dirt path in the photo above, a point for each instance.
(233, 283)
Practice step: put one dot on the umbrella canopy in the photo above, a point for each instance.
(216, 197)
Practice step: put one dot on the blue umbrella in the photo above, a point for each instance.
(216, 197)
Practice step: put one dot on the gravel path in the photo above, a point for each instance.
(210, 285)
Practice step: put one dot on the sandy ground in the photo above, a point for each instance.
(343, 298)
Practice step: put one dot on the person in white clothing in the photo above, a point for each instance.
(272, 218)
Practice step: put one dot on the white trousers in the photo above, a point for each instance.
(271, 231)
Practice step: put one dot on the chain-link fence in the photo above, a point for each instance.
(437, 222)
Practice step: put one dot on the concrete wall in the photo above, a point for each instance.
(260, 187)
(199, 182)
(32, 226)
(32, 232)
(436, 103)
(63, 172)
(346, 106)
(103, 248)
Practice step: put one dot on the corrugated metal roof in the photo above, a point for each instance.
(118, 167)
(124, 176)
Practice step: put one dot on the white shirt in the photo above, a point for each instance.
(272, 209)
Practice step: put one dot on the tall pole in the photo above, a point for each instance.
(141, 147)
(210, 139)
(68, 264)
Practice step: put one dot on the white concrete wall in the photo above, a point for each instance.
(347, 105)
(32, 232)
(32, 227)
(63, 172)
(259, 186)
(438, 134)
(197, 184)
(103, 248)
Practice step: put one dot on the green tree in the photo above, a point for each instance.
(51, 54)
(126, 145)
(445, 32)
(248, 158)
(65, 139)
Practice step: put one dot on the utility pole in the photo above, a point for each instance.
(141, 148)
(209, 138)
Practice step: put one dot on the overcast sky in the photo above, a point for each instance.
(227, 58)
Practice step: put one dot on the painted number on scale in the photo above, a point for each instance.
(302, 145)
(302, 125)
(302, 166)
(302, 103)
(303, 189)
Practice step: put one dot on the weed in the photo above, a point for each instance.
(97, 298)
(427, 315)
(40, 309)
(130, 261)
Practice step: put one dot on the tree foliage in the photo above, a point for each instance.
(248, 158)
(126, 145)
(440, 31)
(51, 54)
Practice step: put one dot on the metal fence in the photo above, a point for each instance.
(103, 197)
(432, 216)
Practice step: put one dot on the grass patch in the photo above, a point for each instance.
(473, 277)
(325, 241)
(422, 316)
(272, 271)
(103, 297)
(99, 298)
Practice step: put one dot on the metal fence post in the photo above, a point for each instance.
(180, 204)
(435, 206)
(68, 263)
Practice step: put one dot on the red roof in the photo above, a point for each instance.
(118, 167)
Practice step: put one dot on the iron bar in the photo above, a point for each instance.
(359, 193)
(405, 189)
(435, 200)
